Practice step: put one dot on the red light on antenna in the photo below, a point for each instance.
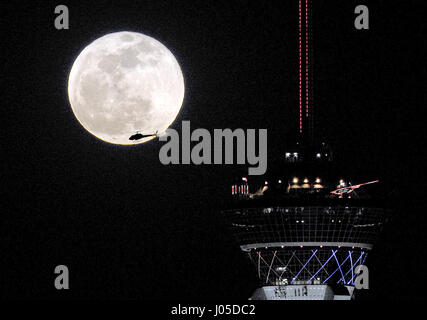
(300, 66)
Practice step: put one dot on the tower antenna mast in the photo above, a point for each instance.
(305, 71)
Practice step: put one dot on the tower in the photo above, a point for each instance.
(305, 227)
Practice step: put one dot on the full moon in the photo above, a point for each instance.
(125, 83)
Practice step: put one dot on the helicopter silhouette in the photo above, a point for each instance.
(138, 135)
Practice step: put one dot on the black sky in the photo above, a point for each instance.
(129, 227)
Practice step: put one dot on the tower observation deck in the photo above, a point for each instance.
(305, 236)
(304, 227)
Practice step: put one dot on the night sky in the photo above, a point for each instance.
(129, 227)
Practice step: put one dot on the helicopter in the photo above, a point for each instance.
(138, 135)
